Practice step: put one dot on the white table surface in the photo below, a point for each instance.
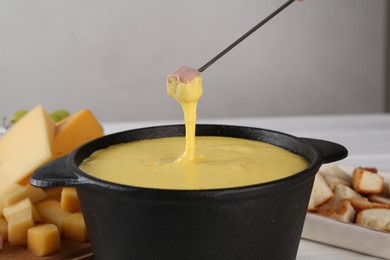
(367, 138)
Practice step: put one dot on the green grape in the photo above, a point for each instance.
(58, 115)
(18, 115)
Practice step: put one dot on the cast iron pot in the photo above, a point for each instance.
(262, 221)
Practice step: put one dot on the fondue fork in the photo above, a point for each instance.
(231, 46)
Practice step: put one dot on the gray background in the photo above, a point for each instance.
(316, 57)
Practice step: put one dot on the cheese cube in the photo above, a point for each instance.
(35, 194)
(23, 204)
(20, 219)
(11, 194)
(74, 131)
(74, 228)
(35, 214)
(26, 146)
(54, 193)
(69, 200)
(43, 239)
(50, 212)
(4, 228)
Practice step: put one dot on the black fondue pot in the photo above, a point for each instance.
(262, 221)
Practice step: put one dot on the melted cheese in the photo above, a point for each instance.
(185, 85)
(220, 162)
(214, 163)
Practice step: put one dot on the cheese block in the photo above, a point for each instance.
(54, 193)
(69, 200)
(50, 212)
(43, 239)
(19, 221)
(74, 131)
(26, 146)
(35, 194)
(11, 194)
(4, 228)
(74, 228)
(19, 206)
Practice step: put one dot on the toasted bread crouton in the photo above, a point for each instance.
(320, 193)
(379, 199)
(370, 169)
(374, 218)
(342, 192)
(363, 203)
(366, 182)
(340, 210)
(386, 191)
(334, 169)
(332, 181)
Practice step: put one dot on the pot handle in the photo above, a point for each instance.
(330, 151)
(54, 174)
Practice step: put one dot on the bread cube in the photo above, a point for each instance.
(379, 199)
(366, 182)
(378, 219)
(340, 210)
(342, 192)
(43, 239)
(363, 203)
(74, 228)
(333, 169)
(69, 200)
(332, 181)
(320, 193)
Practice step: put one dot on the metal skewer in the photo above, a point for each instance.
(231, 46)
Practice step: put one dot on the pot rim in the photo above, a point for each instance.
(288, 181)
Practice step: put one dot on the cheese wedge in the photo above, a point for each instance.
(74, 131)
(26, 146)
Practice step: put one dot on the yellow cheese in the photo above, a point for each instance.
(74, 228)
(43, 239)
(54, 193)
(69, 200)
(35, 214)
(18, 206)
(26, 146)
(4, 229)
(47, 205)
(11, 194)
(50, 212)
(35, 194)
(19, 221)
(74, 131)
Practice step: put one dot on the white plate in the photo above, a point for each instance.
(347, 235)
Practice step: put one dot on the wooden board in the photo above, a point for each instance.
(69, 250)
